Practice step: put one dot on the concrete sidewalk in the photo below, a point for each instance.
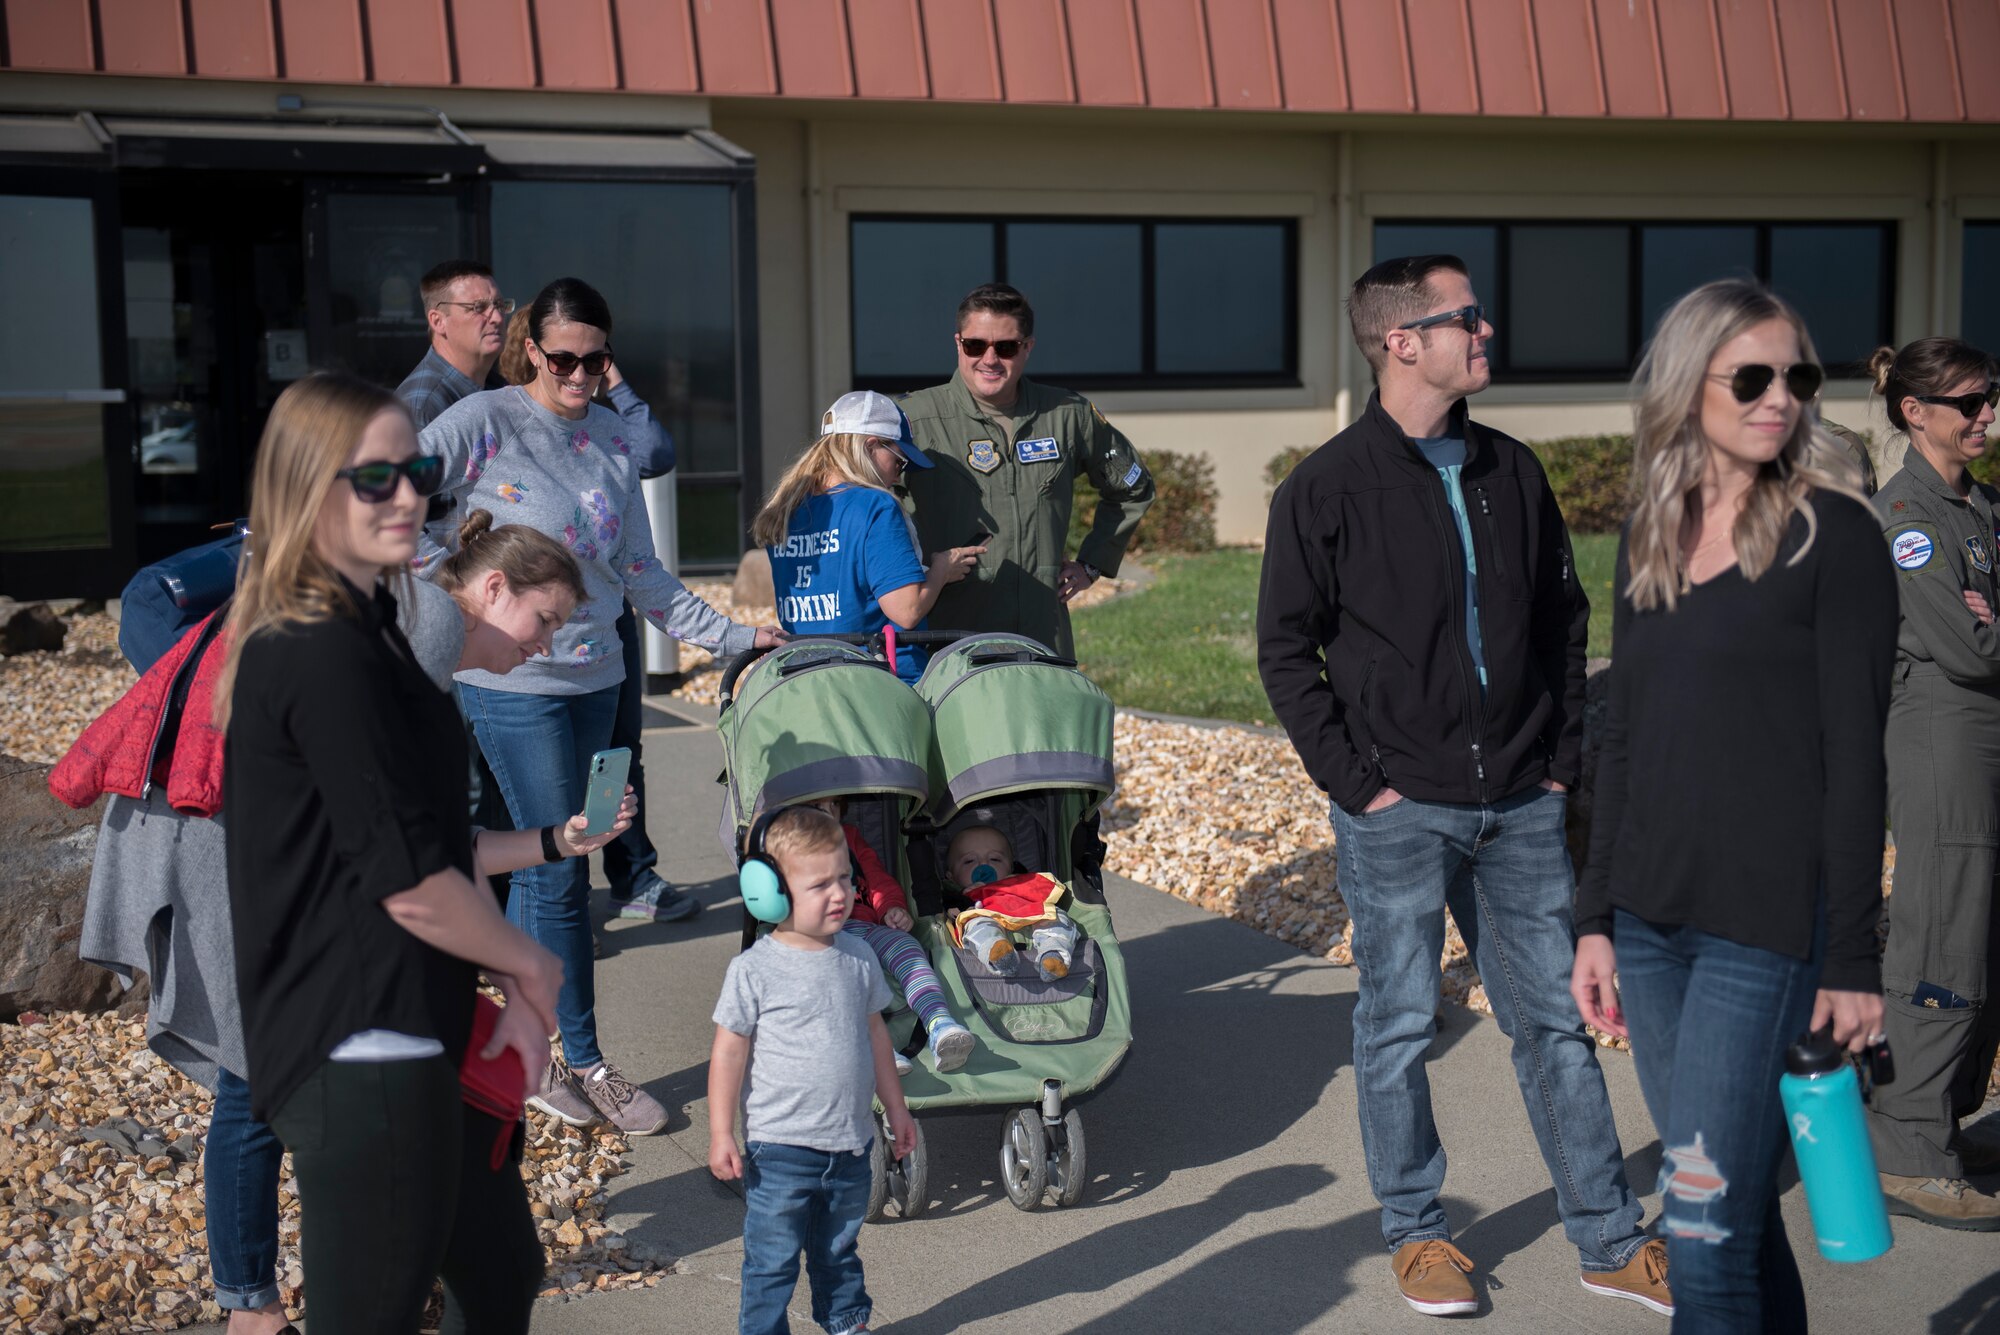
(1228, 1190)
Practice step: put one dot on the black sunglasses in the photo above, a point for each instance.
(1468, 318)
(1968, 405)
(564, 364)
(1006, 349)
(376, 482)
(1748, 383)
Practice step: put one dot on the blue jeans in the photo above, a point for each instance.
(800, 1200)
(239, 1183)
(540, 747)
(1503, 869)
(1710, 1021)
(631, 855)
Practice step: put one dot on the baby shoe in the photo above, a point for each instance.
(903, 1064)
(951, 1043)
(1053, 965)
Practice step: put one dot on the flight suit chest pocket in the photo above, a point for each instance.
(1043, 463)
(1502, 539)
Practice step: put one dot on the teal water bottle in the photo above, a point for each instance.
(1822, 1097)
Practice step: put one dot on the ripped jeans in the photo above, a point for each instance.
(1710, 1020)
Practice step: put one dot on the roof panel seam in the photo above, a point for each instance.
(1896, 61)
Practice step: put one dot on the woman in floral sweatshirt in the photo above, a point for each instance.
(545, 455)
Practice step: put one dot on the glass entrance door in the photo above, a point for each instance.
(64, 527)
(371, 245)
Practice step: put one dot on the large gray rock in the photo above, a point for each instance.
(1596, 703)
(45, 853)
(27, 628)
(753, 580)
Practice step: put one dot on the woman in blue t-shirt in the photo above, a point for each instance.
(844, 557)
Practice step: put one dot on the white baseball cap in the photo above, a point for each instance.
(866, 413)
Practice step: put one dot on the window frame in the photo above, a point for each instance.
(1636, 329)
(1145, 379)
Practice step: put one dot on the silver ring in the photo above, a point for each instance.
(1877, 1037)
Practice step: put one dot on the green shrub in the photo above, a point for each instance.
(1281, 465)
(1986, 468)
(1589, 475)
(1182, 516)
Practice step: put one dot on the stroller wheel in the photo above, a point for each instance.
(1024, 1158)
(909, 1178)
(878, 1173)
(1068, 1171)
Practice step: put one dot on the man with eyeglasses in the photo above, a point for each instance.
(1421, 635)
(468, 319)
(1006, 451)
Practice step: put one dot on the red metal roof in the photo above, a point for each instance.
(1862, 60)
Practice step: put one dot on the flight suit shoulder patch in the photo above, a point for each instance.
(1912, 546)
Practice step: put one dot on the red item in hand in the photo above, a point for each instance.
(497, 1087)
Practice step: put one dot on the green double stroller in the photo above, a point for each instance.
(998, 732)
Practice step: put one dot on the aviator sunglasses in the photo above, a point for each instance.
(1968, 405)
(564, 364)
(376, 482)
(1006, 349)
(1748, 383)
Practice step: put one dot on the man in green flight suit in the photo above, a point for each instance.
(1006, 451)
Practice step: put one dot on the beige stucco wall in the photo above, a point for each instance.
(819, 166)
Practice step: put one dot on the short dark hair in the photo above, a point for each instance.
(437, 283)
(1927, 366)
(1393, 293)
(998, 299)
(571, 300)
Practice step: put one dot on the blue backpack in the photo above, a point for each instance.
(169, 596)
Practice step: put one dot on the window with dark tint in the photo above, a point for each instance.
(1836, 276)
(663, 255)
(1675, 259)
(1212, 304)
(1979, 294)
(1568, 304)
(1119, 303)
(909, 277)
(1577, 301)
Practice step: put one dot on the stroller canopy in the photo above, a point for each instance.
(1007, 716)
(819, 718)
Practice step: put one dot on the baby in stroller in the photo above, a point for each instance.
(882, 919)
(980, 862)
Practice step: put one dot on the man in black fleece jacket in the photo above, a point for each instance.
(1421, 635)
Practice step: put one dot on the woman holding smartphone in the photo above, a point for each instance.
(359, 930)
(545, 455)
(1736, 848)
(844, 556)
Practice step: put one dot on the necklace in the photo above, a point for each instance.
(1687, 562)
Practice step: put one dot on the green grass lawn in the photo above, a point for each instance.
(1188, 644)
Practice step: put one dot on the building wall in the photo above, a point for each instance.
(820, 166)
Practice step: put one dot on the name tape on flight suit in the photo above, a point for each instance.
(1043, 451)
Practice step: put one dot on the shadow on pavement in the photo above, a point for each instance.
(1492, 1238)
(1974, 1312)
(720, 916)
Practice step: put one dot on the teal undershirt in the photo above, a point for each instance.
(1447, 455)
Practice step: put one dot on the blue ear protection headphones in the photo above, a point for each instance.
(759, 881)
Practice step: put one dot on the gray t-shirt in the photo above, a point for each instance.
(430, 620)
(811, 1080)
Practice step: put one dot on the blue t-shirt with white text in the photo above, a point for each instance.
(843, 550)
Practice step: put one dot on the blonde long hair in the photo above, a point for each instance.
(281, 580)
(843, 455)
(1670, 451)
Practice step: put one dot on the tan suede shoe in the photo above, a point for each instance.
(1643, 1279)
(1948, 1202)
(1432, 1275)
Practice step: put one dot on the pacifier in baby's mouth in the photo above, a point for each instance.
(984, 874)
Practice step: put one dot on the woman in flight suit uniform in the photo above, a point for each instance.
(1941, 1015)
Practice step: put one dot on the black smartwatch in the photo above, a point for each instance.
(551, 853)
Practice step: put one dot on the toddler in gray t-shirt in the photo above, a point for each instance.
(801, 1050)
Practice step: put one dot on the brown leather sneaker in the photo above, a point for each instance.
(1432, 1275)
(1948, 1202)
(1643, 1279)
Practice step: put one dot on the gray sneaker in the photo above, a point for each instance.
(560, 1099)
(619, 1101)
(653, 900)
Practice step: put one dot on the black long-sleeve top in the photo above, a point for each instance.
(1741, 782)
(344, 779)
